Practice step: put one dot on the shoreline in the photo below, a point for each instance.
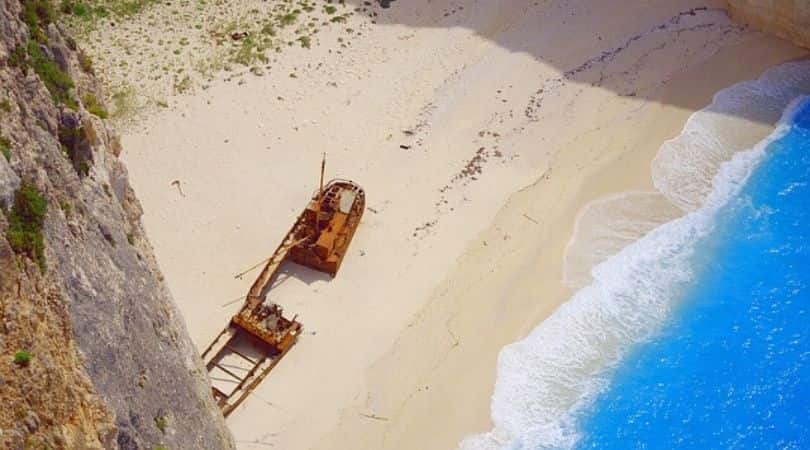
(548, 378)
(461, 241)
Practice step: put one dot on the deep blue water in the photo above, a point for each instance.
(731, 368)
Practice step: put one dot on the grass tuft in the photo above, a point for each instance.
(86, 63)
(183, 85)
(162, 423)
(77, 9)
(93, 106)
(66, 208)
(287, 19)
(306, 41)
(22, 358)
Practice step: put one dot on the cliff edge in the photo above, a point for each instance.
(93, 353)
(788, 19)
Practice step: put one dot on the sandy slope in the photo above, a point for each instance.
(511, 117)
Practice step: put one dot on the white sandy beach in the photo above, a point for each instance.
(479, 130)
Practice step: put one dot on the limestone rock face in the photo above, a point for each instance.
(788, 19)
(110, 364)
(9, 182)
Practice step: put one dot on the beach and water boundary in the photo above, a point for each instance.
(728, 368)
(547, 380)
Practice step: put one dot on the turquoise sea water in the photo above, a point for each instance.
(730, 366)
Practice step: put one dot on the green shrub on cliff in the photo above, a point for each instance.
(38, 14)
(17, 57)
(59, 83)
(25, 221)
(5, 148)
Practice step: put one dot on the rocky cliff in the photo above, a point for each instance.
(93, 353)
(788, 19)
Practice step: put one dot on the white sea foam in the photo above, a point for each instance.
(738, 117)
(544, 379)
(606, 225)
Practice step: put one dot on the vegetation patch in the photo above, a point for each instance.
(85, 62)
(66, 208)
(84, 11)
(250, 51)
(77, 9)
(92, 10)
(5, 148)
(162, 423)
(25, 221)
(129, 7)
(288, 18)
(93, 106)
(38, 14)
(58, 83)
(183, 85)
(175, 47)
(17, 57)
(22, 358)
(123, 102)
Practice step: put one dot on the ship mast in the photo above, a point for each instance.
(320, 198)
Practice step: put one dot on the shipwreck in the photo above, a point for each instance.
(260, 334)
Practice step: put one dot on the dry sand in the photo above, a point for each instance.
(478, 129)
